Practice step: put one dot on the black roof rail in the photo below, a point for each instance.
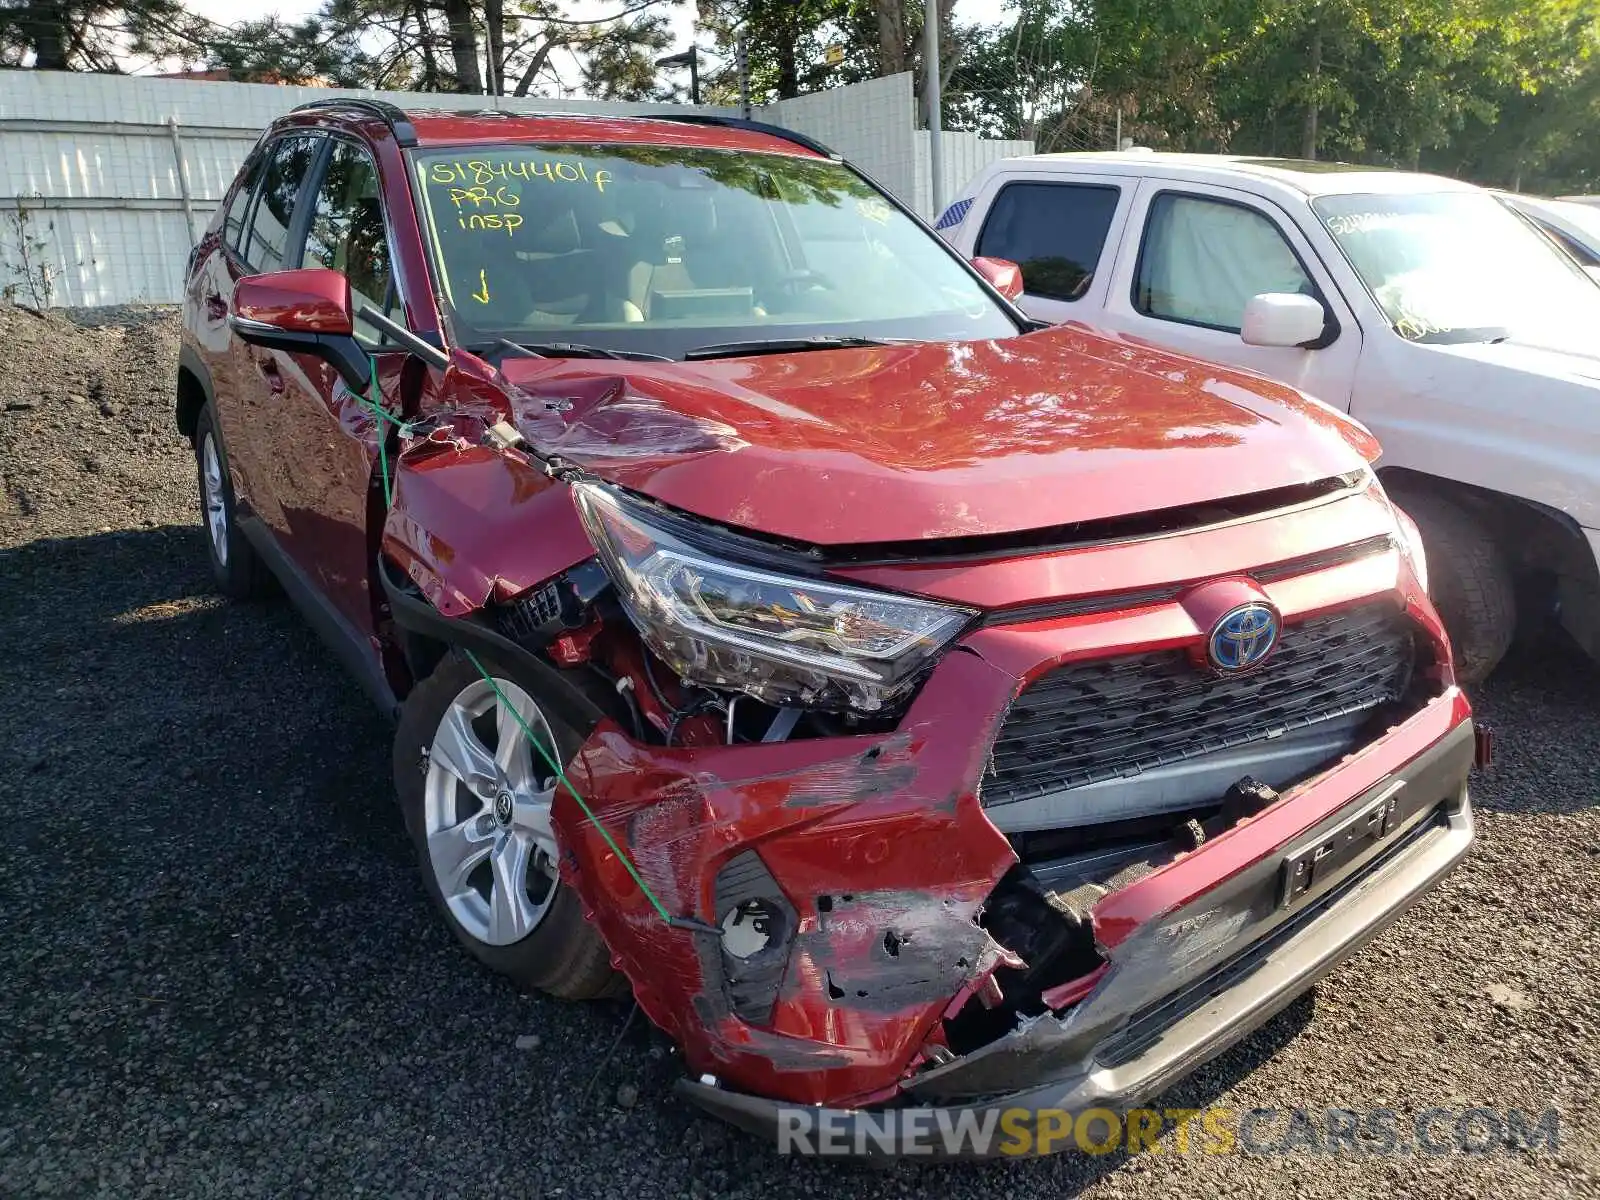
(399, 124)
(777, 131)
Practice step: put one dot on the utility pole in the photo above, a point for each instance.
(930, 55)
(741, 57)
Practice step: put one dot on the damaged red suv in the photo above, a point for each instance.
(914, 707)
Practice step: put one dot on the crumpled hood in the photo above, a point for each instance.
(899, 443)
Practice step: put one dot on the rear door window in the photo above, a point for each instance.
(235, 224)
(1056, 232)
(288, 162)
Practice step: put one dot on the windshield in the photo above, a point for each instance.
(663, 249)
(1461, 267)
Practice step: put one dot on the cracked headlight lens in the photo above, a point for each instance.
(783, 639)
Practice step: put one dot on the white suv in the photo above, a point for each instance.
(1458, 333)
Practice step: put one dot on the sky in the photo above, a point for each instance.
(227, 12)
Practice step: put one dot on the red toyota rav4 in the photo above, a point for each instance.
(913, 706)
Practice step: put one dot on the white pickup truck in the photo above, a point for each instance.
(1457, 332)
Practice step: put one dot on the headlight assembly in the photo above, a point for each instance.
(783, 639)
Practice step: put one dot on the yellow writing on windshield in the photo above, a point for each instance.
(480, 196)
(509, 222)
(481, 172)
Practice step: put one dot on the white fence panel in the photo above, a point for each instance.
(98, 151)
(869, 123)
(961, 156)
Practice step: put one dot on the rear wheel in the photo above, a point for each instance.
(235, 566)
(476, 792)
(1469, 580)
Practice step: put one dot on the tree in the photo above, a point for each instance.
(273, 51)
(91, 35)
(620, 63)
(482, 47)
(1503, 91)
(787, 42)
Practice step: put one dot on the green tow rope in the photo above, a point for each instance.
(373, 401)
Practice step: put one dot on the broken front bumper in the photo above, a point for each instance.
(881, 857)
(1185, 984)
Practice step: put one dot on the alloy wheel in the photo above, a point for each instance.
(486, 811)
(214, 498)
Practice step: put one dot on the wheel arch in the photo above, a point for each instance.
(193, 391)
(1534, 537)
(426, 636)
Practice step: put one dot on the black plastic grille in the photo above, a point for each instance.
(1116, 717)
(523, 619)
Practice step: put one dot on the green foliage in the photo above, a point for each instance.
(1503, 91)
(271, 50)
(25, 255)
(92, 35)
(788, 42)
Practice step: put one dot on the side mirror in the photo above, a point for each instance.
(1283, 319)
(1003, 275)
(303, 312)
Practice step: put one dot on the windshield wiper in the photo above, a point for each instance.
(573, 350)
(786, 346)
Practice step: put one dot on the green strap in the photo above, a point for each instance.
(587, 811)
(373, 402)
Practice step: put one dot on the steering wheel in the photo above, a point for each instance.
(798, 281)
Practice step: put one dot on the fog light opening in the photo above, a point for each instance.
(750, 927)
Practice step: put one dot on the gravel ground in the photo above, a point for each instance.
(219, 974)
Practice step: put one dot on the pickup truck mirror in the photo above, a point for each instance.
(304, 312)
(1002, 274)
(1283, 319)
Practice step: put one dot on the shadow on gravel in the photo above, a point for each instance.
(218, 964)
(1543, 702)
(1074, 1171)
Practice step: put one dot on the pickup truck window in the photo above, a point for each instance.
(1054, 231)
(1202, 260)
(1454, 267)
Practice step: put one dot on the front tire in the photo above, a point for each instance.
(1470, 581)
(476, 797)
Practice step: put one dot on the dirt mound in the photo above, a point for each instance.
(91, 396)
